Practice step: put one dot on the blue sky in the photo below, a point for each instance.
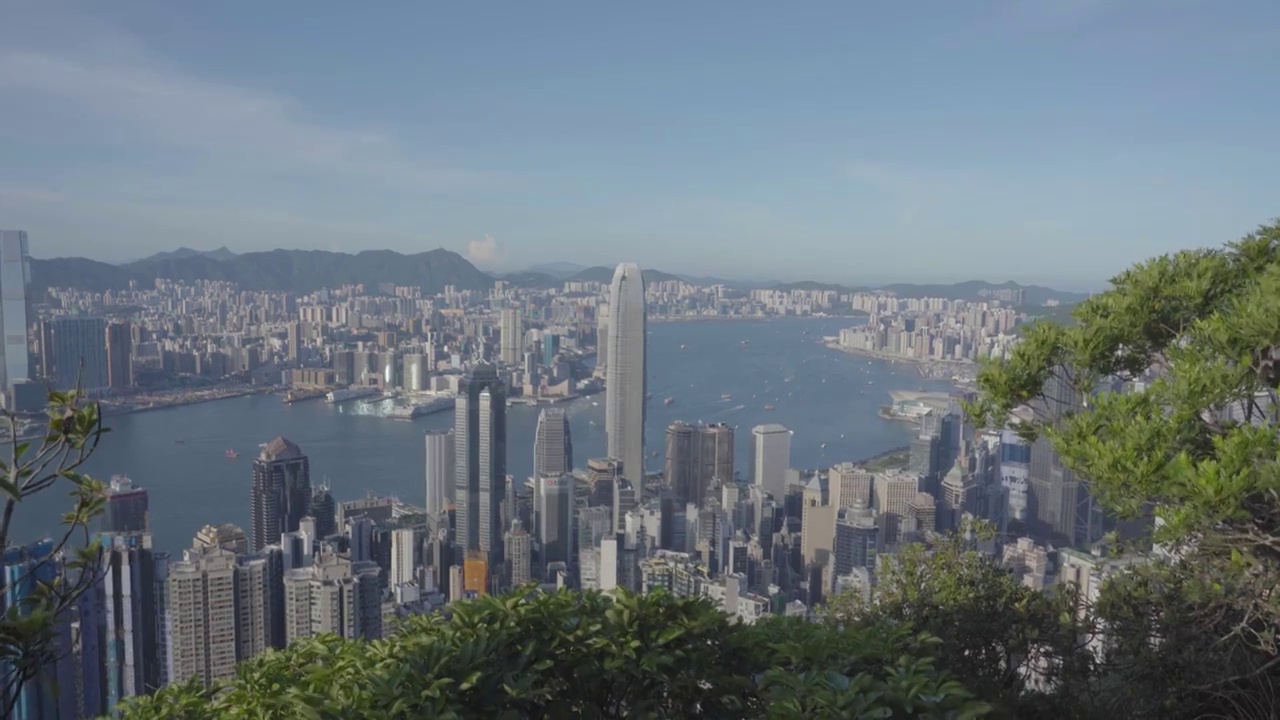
(1053, 141)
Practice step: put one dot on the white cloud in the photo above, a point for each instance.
(484, 251)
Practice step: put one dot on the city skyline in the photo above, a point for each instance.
(884, 139)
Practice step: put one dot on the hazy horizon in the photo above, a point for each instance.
(1054, 143)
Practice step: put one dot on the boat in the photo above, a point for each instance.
(683, 346)
(726, 397)
(179, 442)
(232, 454)
(345, 394)
(595, 404)
(434, 405)
(768, 407)
(668, 401)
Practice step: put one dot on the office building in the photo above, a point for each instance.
(856, 540)
(128, 595)
(891, 497)
(959, 494)
(126, 509)
(602, 340)
(480, 464)
(324, 511)
(555, 519)
(512, 337)
(1059, 507)
(519, 547)
(50, 693)
(281, 491)
(770, 458)
(697, 457)
(295, 343)
(626, 380)
(850, 485)
(923, 509)
(120, 355)
(553, 444)
(15, 308)
(440, 472)
(80, 353)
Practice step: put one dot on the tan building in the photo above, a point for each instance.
(201, 600)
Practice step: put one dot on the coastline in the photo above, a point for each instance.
(166, 402)
(929, 368)
(743, 318)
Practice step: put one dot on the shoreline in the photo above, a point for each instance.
(927, 367)
(184, 401)
(744, 318)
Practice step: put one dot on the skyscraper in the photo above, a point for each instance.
(15, 276)
(552, 445)
(80, 353)
(770, 457)
(480, 464)
(519, 554)
(850, 484)
(325, 512)
(697, 455)
(201, 601)
(555, 519)
(440, 471)
(132, 663)
(403, 544)
(120, 355)
(626, 383)
(281, 491)
(126, 508)
(512, 337)
(295, 343)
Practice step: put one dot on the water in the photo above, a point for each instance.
(826, 397)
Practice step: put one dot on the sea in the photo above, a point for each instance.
(829, 399)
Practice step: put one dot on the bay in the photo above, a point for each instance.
(828, 398)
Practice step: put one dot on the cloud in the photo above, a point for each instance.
(109, 82)
(483, 251)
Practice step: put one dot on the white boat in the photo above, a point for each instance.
(434, 405)
(337, 396)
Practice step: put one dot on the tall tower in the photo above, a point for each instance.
(697, 455)
(15, 276)
(281, 491)
(770, 458)
(480, 463)
(128, 590)
(625, 378)
(126, 508)
(512, 337)
(552, 445)
(555, 519)
(440, 472)
(120, 355)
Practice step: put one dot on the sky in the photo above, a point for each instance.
(1048, 141)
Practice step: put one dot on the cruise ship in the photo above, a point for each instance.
(418, 409)
(338, 396)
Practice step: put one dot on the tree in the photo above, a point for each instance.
(49, 585)
(1177, 365)
(995, 634)
(586, 655)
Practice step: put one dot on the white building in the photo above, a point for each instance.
(770, 458)
(625, 376)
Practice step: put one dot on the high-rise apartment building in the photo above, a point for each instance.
(626, 381)
(770, 458)
(126, 509)
(259, 602)
(333, 595)
(696, 456)
(295, 343)
(80, 353)
(480, 464)
(201, 601)
(552, 444)
(555, 519)
(15, 308)
(440, 472)
(281, 491)
(512, 336)
(120, 355)
(404, 543)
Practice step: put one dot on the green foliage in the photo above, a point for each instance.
(1207, 324)
(27, 629)
(587, 655)
(992, 630)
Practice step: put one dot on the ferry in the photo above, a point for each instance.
(726, 397)
(338, 396)
(667, 401)
(434, 405)
(232, 454)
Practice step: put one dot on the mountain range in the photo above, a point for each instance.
(303, 271)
